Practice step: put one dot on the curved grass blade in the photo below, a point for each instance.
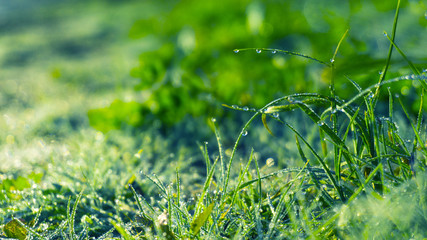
(264, 122)
(273, 50)
(244, 129)
(198, 222)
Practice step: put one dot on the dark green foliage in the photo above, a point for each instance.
(119, 114)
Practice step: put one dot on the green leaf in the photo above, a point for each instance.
(36, 177)
(115, 116)
(201, 219)
(13, 229)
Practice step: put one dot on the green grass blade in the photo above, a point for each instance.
(257, 214)
(338, 46)
(198, 221)
(259, 50)
(138, 200)
(417, 135)
(71, 215)
(205, 187)
(122, 231)
(264, 122)
(390, 51)
(178, 188)
(220, 150)
(243, 132)
(359, 89)
(411, 65)
(236, 190)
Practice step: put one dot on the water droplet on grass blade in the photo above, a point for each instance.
(332, 60)
(236, 50)
(276, 115)
(213, 119)
(270, 162)
(320, 124)
(245, 133)
(274, 51)
(245, 109)
(258, 51)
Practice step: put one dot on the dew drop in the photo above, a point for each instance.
(274, 51)
(235, 106)
(270, 162)
(245, 109)
(236, 50)
(276, 115)
(213, 119)
(332, 60)
(245, 133)
(258, 51)
(425, 70)
(320, 124)
(206, 143)
(380, 72)
(385, 34)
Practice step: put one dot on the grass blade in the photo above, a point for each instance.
(198, 221)
(282, 51)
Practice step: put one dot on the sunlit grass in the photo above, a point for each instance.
(319, 166)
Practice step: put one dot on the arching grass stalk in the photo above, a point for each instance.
(274, 51)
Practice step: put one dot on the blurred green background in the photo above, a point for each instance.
(190, 68)
(147, 64)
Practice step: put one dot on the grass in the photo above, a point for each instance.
(352, 172)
